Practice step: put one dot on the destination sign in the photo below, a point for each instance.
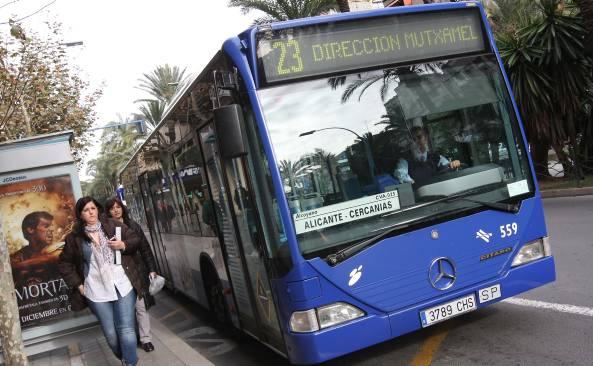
(344, 212)
(295, 53)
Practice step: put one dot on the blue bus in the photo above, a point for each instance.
(329, 183)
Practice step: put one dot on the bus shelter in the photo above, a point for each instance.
(39, 187)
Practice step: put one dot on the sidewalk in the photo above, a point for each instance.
(170, 350)
(567, 192)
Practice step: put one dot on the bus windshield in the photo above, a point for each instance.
(362, 152)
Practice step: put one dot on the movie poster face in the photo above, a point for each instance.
(36, 217)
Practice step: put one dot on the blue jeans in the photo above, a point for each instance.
(118, 320)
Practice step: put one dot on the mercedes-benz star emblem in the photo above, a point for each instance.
(442, 273)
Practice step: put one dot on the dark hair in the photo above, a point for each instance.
(111, 202)
(80, 224)
(32, 220)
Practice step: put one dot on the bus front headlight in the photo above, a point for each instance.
(323, 317)
(337, 313)
(531, 251)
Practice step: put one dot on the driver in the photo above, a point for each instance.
(421, 163)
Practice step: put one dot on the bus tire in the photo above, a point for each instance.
(216, 299)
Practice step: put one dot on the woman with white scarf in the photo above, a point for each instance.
(98, 266)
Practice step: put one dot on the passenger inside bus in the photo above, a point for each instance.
(420, 163)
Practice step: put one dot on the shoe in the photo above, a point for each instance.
(148, 347)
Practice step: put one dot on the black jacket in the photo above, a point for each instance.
(421, 171)
(145, 261)
(71, 264)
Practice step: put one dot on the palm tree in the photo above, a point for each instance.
(511, 15)
(327, 160)
(551, 76)
(118, 145)
(278, 10)
(153, 110)
(163, 82)
(289, 172)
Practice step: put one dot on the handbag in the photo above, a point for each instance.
(156, 284)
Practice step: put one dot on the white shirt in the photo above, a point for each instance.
(94, 288)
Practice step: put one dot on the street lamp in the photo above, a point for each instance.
(72, 44)
(367, 147)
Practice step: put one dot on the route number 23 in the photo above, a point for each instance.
(508, 230)
(292, 47)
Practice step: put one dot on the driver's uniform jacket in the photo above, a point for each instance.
(74, 259)
(421, 171)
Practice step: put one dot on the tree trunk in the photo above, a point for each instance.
(26, 117)
(343, 6)
(10, 326)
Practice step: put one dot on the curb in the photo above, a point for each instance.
(567, 192)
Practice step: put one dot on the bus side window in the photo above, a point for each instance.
(273, 234)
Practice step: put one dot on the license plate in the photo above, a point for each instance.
(489, 293)
(448, 310)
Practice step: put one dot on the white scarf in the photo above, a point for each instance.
(102, 252)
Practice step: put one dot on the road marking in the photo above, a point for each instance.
(432, 343)
(430, 347)
(170, 314)
(563, 308)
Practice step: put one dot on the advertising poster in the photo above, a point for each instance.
(36, 217)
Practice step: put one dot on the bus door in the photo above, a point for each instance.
(249, 280)
(249, 230)
(152, 223)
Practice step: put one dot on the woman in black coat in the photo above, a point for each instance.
(101, 272)
(147, 266)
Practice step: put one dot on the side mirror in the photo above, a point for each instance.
(229, 128)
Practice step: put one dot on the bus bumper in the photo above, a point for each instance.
(513, 282)
(311, 348)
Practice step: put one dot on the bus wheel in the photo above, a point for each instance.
(217, 302)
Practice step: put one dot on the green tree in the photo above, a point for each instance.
(119, 143)
(152, 111)
(39, 91)
(586, 138)
(161, 84)
(328, 162)
(277, 10)
(544, 55)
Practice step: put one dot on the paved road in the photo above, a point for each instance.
(540, 332)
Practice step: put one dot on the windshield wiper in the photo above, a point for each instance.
(499, 206)
(348, 252)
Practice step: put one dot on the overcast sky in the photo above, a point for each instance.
(124, 39)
